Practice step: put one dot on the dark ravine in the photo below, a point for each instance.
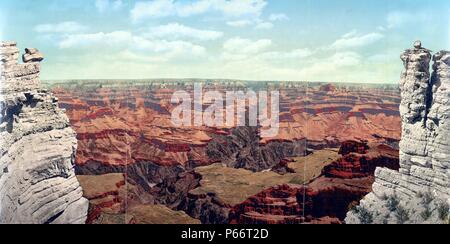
(145, 174)
(209, 209)
(324, 200)
(242, 150)
(347, 179)
(170, 185)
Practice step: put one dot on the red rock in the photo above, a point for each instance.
(348, 147)
(127, 124)
(328, 88)
(361, 160)
(325, 200)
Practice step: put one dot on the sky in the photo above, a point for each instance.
(284, 40)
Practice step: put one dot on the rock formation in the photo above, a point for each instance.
(125, 123)
(420, 191)
(242, 150)
(37, 147)
(324, 200)
(114, 200)
(125, 127)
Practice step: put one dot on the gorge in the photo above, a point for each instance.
(125, 162)
(209, 173)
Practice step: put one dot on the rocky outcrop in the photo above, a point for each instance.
(115, 200)
(360, 160)
(221, 187)
(242, 149)
(145, 174)
(324, 200)
(37, 147)
(123, 123)
(125, 127)
(420, 191)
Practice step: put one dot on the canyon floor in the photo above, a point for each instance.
(135, 167)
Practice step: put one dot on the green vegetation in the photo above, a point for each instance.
(364, 215)
(392, 203)
(402, 215)
(427, 199)
(426, 214)
(443, 211)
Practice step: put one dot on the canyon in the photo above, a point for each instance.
(216, 175)
(107, 151)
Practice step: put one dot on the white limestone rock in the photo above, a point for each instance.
(421, 189)
(32, 55)
(37, 148)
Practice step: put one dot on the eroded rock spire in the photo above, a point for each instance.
(420, 191)
(37, 147)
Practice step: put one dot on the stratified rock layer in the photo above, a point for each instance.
(37, 148)
(125, 123)
(420, 191)
(324, 200)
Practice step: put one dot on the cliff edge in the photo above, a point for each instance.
(420, 191)
(37, 147)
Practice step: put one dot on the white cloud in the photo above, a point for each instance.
(239, 23)
(163, 8)
(257, 23)
(381, 28)
(178, 31)
(171, 47)
(106, 39)
(127, 44)
(278, 17)
(353, 40)
(152, 9)
(240, 7)
(333, 68)
(130, 56)
(264, 26)
(343, 59)
(294, 54)
(238, 50)
(399, 18)
(350, 34)
(239, 45)
(64, 27)
(105, 5)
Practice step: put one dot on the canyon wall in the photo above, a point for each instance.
(420, 191)
(37, 147)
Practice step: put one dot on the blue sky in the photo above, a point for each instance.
(315, 40)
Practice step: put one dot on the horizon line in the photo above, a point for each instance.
(221, 80)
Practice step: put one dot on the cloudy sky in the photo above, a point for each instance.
(315, 40)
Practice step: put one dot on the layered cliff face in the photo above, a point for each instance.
(323, 200)
(121, 123)
(124, 127)
(420, 191)
(327, 182)
(37, 147)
